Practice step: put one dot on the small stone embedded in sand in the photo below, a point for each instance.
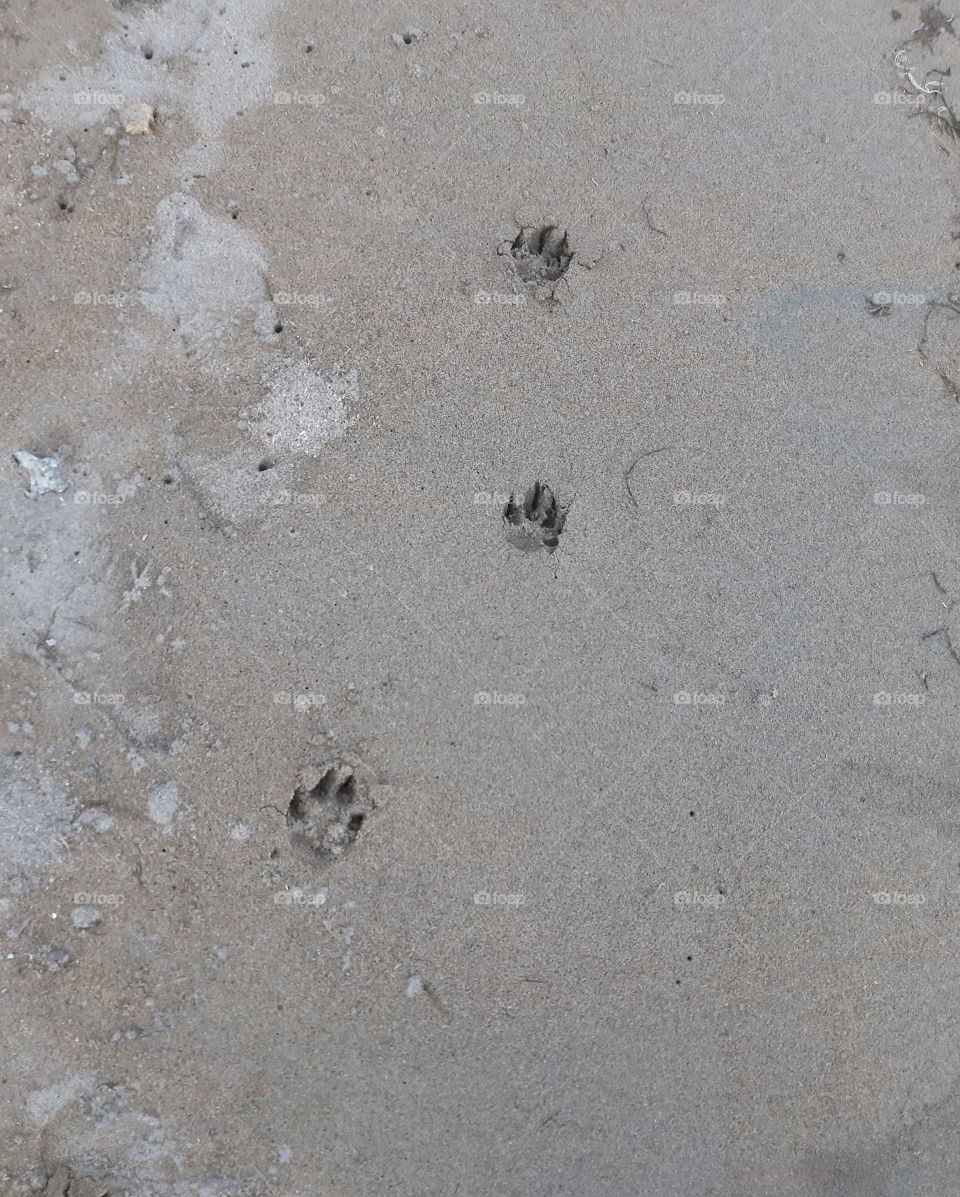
(98, 819)
(415, 986)
(85, 917)
(138, 118)
(43, 472)
(163, 804)
(410, 35)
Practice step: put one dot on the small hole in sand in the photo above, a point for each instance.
(265, 465)
(148, 54)
(278, 327)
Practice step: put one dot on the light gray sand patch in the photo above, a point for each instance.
(35, 817)
(204, 275)
(85, 917)
(305, 407)
(192, 57)
(43, 1103)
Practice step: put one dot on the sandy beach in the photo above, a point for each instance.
(481, 650)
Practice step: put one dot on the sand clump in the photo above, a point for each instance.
(305, 407)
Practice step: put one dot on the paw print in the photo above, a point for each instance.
(537, 522)
(325, 819)
(540, 255)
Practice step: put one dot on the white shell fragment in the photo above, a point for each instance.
(43, 472)
(138, 118)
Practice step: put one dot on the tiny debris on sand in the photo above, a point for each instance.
(138, 118)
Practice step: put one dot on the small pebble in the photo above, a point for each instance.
(85, 917)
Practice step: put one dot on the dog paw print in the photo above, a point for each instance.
(535, 522)
(325, 819)
(539, 255)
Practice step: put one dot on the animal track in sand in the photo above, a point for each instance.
(541, 256)
(325, 819)
(537, 521)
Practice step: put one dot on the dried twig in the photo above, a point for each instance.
(633, 466)
(650, 225)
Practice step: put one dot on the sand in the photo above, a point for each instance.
(480, 713)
